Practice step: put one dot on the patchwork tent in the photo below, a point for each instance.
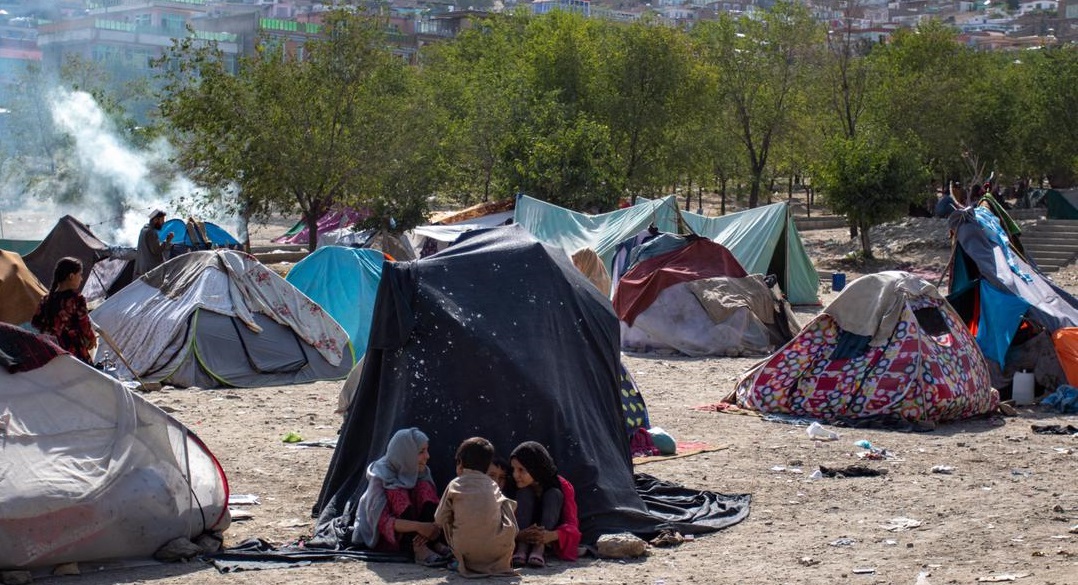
(1008, 304)
(92, 471)
(501, 336)
(888, 346)
(343, 281)
(765, 241)
(69, 237)
(221, 318)
(197, 235)
(20, 290)
(692, 296)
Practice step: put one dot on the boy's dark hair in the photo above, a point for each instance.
(476, 454)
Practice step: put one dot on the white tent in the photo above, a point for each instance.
(90, 471)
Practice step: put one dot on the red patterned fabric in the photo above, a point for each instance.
(63, 315)
(26, 350)
(405, 504)
(699, 259)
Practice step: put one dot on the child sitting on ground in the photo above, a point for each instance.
(477, 519)
(546, 507)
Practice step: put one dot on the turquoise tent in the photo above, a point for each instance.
(765, 241)
(571, 231)
(343, 281)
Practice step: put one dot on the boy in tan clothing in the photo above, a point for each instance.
(479, 522)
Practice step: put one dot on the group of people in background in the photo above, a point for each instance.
(63, 316)
(493, 517)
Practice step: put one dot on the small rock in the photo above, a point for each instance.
(16, 577)
(177, 549)
(621, 546)
(66, 569)
(1074, 529)
(808, 561)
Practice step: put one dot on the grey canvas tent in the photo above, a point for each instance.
(221, 318)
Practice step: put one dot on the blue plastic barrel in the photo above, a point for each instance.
(838, 281)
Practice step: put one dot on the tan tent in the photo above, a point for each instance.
(20, 290)
(588, 262)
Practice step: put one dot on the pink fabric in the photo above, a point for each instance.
(406, 504)
(334, 220)
(569, 529)
(641, 444)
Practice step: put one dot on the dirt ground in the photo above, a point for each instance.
(1005, 513)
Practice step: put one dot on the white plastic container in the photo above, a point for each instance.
(1022, 388)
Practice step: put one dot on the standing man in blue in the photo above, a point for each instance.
(151, 250)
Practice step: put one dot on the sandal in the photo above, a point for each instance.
(519, 560)
(536, 560)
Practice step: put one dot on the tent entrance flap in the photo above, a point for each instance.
(235, 355)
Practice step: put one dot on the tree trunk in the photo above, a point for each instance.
(754, 191)
(312, 231)
(688, 196)
(700, 198)
(722, 196)
(808, 201)
(866, 243)
(790, 189)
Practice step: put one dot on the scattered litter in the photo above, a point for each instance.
(818, 433)
(292, 437)
(816, 474)
(943, 469)
(1054, 429)
(1062, 450)
(864, 570)
(293, 523)
(864, 444)
(1064, 400)
(237, 514)
(1021, 473)
(851, 471)
(808, 561)
(789, 469)
(922, 578)
(843, 542)
(900, 524)
(1074, 529)
(242, 499)
(1002, 577)
(890, 542)
(330, 443)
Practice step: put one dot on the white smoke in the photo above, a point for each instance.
(118, 187)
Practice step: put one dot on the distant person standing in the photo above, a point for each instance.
(151, 250)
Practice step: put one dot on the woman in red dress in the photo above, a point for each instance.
(63, 315)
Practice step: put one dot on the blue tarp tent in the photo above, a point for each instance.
(200, 235)
(765, 241)
(344, 281)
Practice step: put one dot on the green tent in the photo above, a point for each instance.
(571, 230)
(20, 247)
(1062, 205)
(765, 241)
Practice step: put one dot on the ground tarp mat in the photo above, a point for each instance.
(498, 336)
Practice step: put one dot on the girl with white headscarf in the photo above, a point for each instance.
(397, 509)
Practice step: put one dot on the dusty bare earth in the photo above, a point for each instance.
(1003, 514)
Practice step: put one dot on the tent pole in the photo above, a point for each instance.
(108, 339)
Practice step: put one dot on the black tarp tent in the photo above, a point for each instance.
(501, 336)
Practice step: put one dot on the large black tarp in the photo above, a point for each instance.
(501, 336)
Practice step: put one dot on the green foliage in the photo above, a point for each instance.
(869, 180)
(341, 126)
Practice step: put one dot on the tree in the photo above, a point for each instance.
(335, 127)
(762, 64)
(869, 180)
(645, 86)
